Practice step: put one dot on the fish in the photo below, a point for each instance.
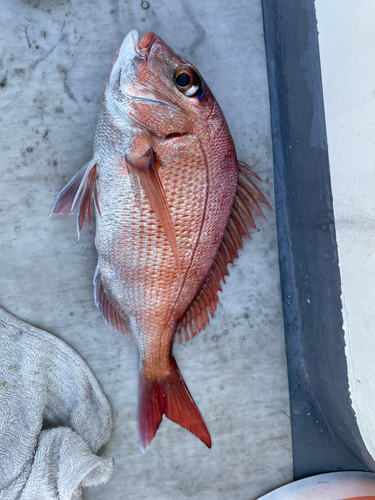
(172, 204)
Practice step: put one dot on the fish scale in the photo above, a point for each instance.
(164, 179)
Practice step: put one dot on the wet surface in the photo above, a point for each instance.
(54, 59)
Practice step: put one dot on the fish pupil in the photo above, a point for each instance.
(183, 80)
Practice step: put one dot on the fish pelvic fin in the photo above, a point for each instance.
(77, 196)
(171, 397)
(240, 224)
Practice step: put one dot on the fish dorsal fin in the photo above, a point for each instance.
(246, 204)
(114, 319)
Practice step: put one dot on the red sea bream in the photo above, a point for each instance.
(172, 205)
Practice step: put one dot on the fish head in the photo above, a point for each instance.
(157, 89)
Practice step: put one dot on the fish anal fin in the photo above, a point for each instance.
(240, 224)
(170, 396)
(77, 196)
(111, 316)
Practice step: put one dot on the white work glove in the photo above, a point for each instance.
(54, 417)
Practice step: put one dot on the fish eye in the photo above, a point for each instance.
(189, 82)
(183, 80)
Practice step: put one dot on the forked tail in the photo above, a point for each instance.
(170, 396)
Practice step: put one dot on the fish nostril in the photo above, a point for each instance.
(145, 44)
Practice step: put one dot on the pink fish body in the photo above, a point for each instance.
(173, 204)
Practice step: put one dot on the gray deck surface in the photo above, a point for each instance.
(54, 59)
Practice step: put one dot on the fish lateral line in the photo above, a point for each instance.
(240, 225)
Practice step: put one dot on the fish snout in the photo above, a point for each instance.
(143, 47)
(127, 49)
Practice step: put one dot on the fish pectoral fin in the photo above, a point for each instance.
(114, 319)
(151, 183)
(76, 197)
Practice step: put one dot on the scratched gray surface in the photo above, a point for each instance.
(54, 59)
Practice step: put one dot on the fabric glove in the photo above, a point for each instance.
(54, 417)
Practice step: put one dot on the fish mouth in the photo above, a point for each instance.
(144, 46)
(132, 45)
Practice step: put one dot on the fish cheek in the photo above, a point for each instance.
(161, 119)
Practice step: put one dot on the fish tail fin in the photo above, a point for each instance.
(170, 396)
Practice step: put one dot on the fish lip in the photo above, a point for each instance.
(133, 45)
(127, 48)
(143, 47)
(135, 37)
